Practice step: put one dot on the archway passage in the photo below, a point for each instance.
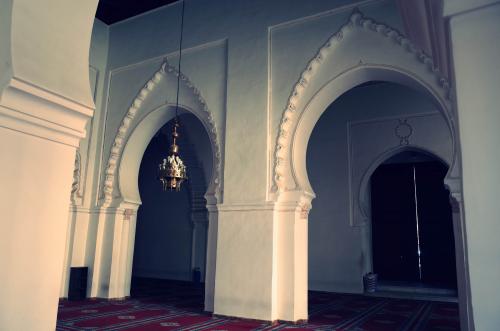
(357, 132)
(112, 266)
(171, 233)
(412, 226)
(365, 126)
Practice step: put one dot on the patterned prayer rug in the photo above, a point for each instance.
(169, 305)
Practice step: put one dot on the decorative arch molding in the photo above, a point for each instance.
(384, 54)
(362, 190)
(120, 199)
(192, 100)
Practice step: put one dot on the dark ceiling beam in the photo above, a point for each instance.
(112, 11)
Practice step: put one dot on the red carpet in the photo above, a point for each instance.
(167, 305)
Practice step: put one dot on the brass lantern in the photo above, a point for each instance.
(172, 171)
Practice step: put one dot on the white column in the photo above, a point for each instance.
(39, 132)
(112, 268)
(45, 102)
(474, 29)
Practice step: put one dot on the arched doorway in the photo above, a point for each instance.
(120, 198)
(384, 55)
(412, 225)
(171, 233)
(360, 130)
(368, 125)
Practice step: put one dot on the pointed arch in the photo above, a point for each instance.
(191, 100)
(382, 53)
(120, 198)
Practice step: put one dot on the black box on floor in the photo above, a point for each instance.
(77, 283)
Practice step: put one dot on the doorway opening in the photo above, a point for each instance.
(169, 260)
(412, 226)
(371, 123)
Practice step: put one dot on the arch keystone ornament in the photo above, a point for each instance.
(403, 132)
(386, 55)
(76, 195)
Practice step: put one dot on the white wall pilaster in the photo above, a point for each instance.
(211, 251)
(291, 256)
(112, 269)
(474, 28)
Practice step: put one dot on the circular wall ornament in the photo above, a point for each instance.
(403, 131)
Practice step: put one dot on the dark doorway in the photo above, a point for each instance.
(171, 231)
(412, 227)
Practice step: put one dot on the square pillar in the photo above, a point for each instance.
(39, 133)
(262, 257)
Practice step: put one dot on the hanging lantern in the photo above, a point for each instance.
(172, 171)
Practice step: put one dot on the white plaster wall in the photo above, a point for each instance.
(236, 79)
(350, 136)
(244, 266)
(476, 52)
(244, 58)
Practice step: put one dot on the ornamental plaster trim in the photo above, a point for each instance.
(76, 196)
(123, 133)
(403, 131)
(292, 113)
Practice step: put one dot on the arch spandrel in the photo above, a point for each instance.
(147, 112)
(361, 50)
